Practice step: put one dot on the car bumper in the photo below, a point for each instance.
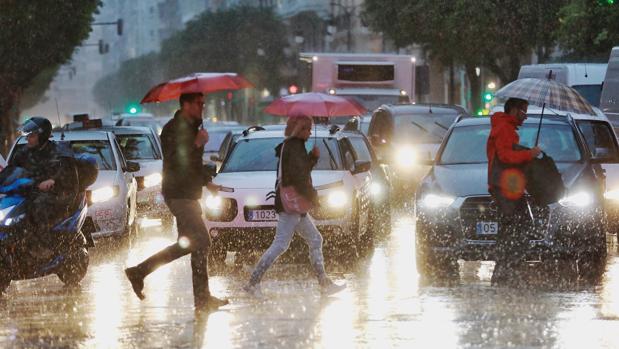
(558, 232)
(107, 218)
(150, 203)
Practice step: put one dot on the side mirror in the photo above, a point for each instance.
(426, 159)
(133, 166)
(361, 166)
(215, 157)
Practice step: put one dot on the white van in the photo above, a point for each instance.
(586, 78)
(609, 103)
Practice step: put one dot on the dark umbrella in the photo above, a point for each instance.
(546, 93)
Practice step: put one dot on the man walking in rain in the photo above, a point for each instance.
(506, 184)
(183, 141)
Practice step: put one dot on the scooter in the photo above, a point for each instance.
(67, 257)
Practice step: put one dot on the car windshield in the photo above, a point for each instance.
(138, 147)
(152, 123)
(423, 127)
(592, 93)
(467, 144)
(100, 150)
(371, 102)
(259, 155)
(214, 141)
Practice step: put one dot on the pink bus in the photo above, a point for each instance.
(372, 79)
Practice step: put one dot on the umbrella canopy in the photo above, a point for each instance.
(546, 93)
(195, 83)
(314, 104)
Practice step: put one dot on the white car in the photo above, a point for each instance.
(242, 216)
(142, 145)
(112, 198)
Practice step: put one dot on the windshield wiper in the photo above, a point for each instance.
(419, 126)
(441, 125)
(333, 163)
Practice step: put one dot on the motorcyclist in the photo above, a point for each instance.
(55, 179)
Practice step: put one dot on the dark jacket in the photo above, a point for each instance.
(506, 158)
(297, 166)
(51, 161)
(182, 160)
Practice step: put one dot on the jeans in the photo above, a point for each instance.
(192, 238)
(286, 226)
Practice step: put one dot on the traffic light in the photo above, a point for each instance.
(103, 47)
(293, 89)
(119, 27)
(488, 96)
(133, 108)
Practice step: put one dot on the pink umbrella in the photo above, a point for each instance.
(314, 104)
(195, 83)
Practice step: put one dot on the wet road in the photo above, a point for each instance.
(385, 306)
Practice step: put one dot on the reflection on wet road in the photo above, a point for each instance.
(386, 305)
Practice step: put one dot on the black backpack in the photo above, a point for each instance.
(544, 181)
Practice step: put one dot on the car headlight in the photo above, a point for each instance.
(213, 202)
(152, 180)
(104, 194)
(612, 195)
(406, 156)
(579, 199)
(436, 201)
(376, 189)
(337, 199)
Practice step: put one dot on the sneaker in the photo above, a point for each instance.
(214, 303)
(253, 290)
(137, 281)
(331, 288)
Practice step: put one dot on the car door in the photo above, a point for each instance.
(363, 178)
(363, 151)
(129, 182)
(602, 144)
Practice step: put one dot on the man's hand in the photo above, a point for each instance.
(46, 185)
(212, 187)
(535, 151)
(316, 152)
(201, 138)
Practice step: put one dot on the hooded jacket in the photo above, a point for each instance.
(503, 154)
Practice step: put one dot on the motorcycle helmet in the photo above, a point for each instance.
(39, 125)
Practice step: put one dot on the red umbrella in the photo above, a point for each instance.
(314, 104)
(195, 83)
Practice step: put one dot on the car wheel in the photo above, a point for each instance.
(74, 268)
(591, 264)
(4, 283)
(429, 263)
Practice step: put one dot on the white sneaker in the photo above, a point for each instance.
(331, 288)
(253, 290)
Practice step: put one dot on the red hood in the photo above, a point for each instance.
(502, 118)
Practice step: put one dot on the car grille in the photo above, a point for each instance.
(480, 209)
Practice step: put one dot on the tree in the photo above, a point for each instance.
(129, 84)
(589, 28)
(35, 36)
(245, 40)
(496, 34)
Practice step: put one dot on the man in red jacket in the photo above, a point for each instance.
(506, 184)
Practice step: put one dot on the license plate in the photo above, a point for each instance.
(261, 215)
(487, 228)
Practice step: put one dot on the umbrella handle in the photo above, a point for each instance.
(539, 127)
